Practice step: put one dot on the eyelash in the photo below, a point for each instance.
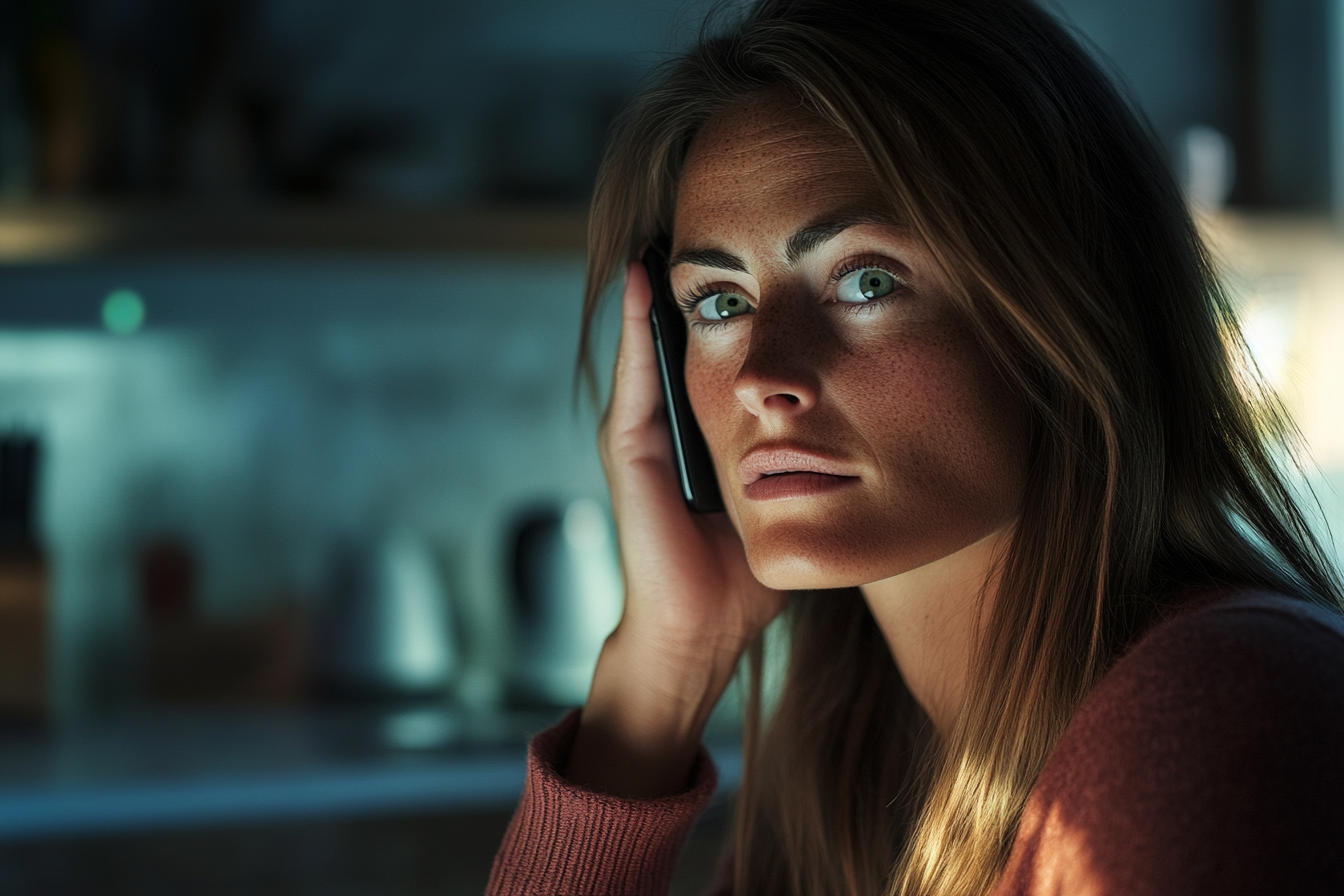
(689, 301)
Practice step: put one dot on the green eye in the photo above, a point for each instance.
(867, 284)
(722, 306)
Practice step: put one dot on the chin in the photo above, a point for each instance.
(794, 557)
(813, 564)
(796, 576)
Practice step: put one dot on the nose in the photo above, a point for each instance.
(779, 375)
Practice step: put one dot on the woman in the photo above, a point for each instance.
(975, 403)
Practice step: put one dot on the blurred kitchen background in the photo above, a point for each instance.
(302, 530)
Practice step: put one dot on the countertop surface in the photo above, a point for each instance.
(169, 768)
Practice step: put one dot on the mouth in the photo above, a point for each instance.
(789, 472)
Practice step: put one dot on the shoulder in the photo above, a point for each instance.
(1247, 671)
(1207, 760)
(1213, 664)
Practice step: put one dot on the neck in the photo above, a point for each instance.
(931, 616)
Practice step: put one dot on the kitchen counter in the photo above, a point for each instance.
(173, 768)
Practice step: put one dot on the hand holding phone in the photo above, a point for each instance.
(692, 604)
(699, 484)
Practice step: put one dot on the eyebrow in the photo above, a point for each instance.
(709, 258)
(799, 244)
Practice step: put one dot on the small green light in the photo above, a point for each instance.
(123, 311)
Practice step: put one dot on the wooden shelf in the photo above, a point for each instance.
(59, 232)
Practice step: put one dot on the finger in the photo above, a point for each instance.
(636, 394)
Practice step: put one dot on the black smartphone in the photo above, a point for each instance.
(699, 485)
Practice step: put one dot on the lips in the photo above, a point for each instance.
(792, 472)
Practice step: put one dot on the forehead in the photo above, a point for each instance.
(771, 159)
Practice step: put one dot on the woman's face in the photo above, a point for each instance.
(858, 429)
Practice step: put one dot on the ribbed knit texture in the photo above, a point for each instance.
(568, 841)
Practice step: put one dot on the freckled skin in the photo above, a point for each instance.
(899, 391)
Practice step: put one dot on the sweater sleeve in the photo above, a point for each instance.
(565, 839)
(1206, 761)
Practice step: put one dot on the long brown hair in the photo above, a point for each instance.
(1046, 202)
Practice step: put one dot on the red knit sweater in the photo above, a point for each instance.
(1210, 759)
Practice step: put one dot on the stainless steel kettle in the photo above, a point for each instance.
(567, 594)
(387, 627)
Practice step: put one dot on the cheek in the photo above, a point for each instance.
(709, 385)
(944, 422)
